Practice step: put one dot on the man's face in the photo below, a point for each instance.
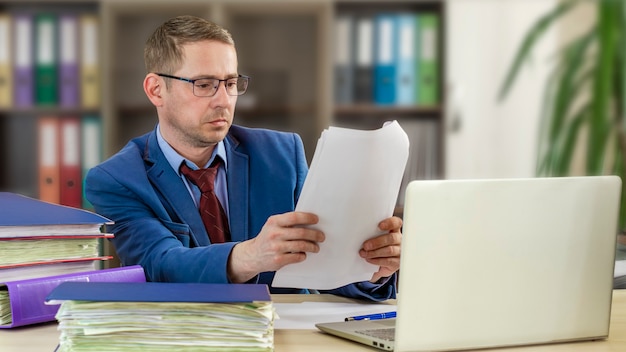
(199, 122)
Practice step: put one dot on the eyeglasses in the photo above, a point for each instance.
(207, 87)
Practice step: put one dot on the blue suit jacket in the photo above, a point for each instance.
(157, 224)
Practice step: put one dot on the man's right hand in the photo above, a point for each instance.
(283, 240)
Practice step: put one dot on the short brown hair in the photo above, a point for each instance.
(163, 53)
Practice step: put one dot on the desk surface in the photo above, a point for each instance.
(43, 338)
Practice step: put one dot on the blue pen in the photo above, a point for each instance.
(377, 316)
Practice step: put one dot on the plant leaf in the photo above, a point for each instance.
(563, 91)
(568, 141)
(620, 125)
(530, 39)
(600, 122)
(567, 89)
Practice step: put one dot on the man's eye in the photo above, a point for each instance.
(204, 85)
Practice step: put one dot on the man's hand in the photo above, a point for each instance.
(283, 240)
(384, 250)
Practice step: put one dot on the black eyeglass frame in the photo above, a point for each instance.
(193, 81)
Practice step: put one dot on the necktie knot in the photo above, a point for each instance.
(204, 179)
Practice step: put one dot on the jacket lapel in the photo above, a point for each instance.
(173, 192)
(238, 190)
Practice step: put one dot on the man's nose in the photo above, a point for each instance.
(221, 93)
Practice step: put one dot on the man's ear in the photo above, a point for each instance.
(153, 85)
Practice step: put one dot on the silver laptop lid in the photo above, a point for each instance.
(488, 263)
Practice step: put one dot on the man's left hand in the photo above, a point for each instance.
(384, 250)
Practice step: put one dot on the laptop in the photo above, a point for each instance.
(501, 262)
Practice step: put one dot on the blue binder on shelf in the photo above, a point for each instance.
(385, 59)
(406, 55)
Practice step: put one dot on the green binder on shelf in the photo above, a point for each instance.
(46, 80)
(428, 61)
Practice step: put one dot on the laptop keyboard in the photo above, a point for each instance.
(387, 334)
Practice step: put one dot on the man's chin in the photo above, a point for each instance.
(214, 136)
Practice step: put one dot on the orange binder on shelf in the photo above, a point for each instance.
(70, 192)
(6, 76)
(48, 163)
(90, 70)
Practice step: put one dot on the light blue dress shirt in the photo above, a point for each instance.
(175, 159)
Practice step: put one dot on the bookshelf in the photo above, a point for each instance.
(287, 47)
(287, 92)
(292, 85)
(388, 65)
(46, 73)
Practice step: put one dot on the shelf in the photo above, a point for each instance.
(44, 110)
(289, 54)
(371, 109)
(249, 111)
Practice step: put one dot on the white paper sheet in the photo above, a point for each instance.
(352, 185)
(305, 315)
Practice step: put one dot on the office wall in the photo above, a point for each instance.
(484, 137)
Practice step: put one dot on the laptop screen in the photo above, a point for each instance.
(489, 263)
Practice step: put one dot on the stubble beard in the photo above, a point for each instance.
(204, 136)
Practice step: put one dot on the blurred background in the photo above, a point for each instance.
(71, 79)
(483, 88)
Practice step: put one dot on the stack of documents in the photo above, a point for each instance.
(163, 317)
(352, 185)
(22, 301)
(42, 244)
(29, 250)
(39, 239)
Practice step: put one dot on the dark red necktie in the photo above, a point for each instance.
(211, 211)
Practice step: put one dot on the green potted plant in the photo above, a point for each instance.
(584, 97)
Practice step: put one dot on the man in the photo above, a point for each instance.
(193, 82)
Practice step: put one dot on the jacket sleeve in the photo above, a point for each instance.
(386, 289)
(144, 235)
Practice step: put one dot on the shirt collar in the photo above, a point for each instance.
(175, 159)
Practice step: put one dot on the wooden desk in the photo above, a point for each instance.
(44, 338)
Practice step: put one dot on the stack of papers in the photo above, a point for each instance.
(30, 250)
(163, 317)
(352, 185)
(5, 308)
(22, 301)
(38, 238)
